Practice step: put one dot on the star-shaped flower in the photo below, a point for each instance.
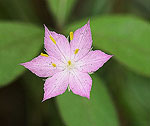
(67, 64)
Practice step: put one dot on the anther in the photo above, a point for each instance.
(69, 62)
(71, 35)
(76, 51)
(42, 54)
(53, 64)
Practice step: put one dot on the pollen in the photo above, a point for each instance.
(69, 62)
(53, 64)
(76, 51)
(71, 35)
(42, 54)
(53, 40)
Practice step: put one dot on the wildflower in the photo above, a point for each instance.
(67, 64)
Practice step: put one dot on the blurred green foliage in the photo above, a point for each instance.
(18, 10)
(81, 111)
(135, 97)
(131, 92)
(18, 42)
(120, 92)
(61, 9)
(39, 113)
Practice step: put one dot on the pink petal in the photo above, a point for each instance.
(82, 40)
(60, 50)
(56, 85)
(42, 66)
(93, 61)
(80, 83)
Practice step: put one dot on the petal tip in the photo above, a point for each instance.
(88, 22)
(44, 26)
(110, 56)
(88, 97)
(44, 99)
(23, 64)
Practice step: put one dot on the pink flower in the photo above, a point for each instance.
(67, 64)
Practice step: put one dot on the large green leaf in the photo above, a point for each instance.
(131, 93)
(18, 43)
(61, 9)
(135, 99)
(126, 37)
(79, 111)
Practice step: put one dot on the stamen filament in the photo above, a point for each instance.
(53, 40)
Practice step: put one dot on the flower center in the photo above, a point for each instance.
(70, 65)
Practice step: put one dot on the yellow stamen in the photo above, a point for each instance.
(53, 64)
(69, 62)
(42, 54)
(76, 51)
(53, 40)
(71, 35)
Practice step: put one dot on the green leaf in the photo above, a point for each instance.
(135, 99)
(131, 93)
(19, 10)
(61, 9)
(139, 7)
(18, 43)
(126, 37)
(92, 8)
(79, 111)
